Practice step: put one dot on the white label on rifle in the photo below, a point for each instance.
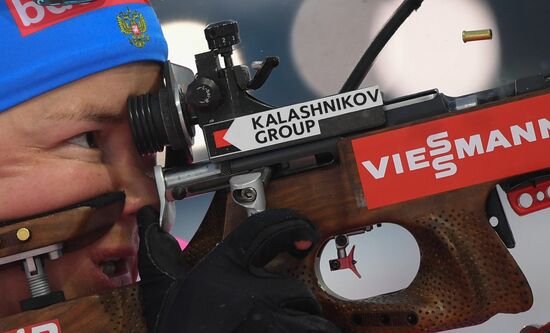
(298, 121)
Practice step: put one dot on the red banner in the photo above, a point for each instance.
(454, 152)
(31, 17)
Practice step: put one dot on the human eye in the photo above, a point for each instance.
(86, 140)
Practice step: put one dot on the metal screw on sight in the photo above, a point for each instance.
(23, 234)
(204, 94)
(37, 278)
(341, 240)
(179, 193)
(247, 190)
(245, 195)
(221, 36)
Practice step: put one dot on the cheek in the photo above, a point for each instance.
(44, 184)
(69, 274)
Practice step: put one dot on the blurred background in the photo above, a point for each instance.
(320, 41)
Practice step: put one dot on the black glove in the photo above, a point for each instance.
(161, 267)
(229, 291)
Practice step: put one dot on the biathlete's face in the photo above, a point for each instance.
(67, 146)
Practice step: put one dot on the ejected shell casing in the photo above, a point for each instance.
(475, 35)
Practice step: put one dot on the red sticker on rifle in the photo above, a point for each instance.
(454, 152)
(219, 141)
(46, 327)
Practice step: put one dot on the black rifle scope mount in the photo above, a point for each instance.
(215, 94)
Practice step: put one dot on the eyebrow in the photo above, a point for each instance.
(90, 113)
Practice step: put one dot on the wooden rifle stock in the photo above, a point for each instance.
(466, 274)
(114, 311)
(117, 311)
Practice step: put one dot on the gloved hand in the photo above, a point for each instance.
(229, 290)
(161, 267)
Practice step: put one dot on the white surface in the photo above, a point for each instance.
(297, 121)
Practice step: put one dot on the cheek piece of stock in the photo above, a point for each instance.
(33, 241)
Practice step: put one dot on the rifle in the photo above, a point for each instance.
(340, 178)
(347, 173)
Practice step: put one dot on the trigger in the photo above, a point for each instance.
(347, 262)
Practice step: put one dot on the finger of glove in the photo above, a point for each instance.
(276, 322)
(263, 236)
(285, 292)
(159, 254)
(157, 295)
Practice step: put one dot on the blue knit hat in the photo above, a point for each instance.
(44, 47)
